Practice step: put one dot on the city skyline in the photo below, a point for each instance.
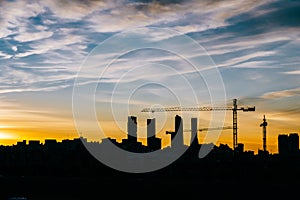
(251, 47)
(287, 144)
(288, 141)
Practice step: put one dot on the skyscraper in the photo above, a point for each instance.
(178, 124)
(150, 127)
(283, 144)
(293, 142)
(132, 128)
(179, 129)
(288, 144)
(153, 142)
(194, 130)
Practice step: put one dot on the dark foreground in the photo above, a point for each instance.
(54, 173)
(139, 187)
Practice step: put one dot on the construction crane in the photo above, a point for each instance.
(264, 124)
(234, 109)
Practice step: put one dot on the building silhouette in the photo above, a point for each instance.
(288, 144)
(240, 148)
(178, 125)
(131, 143)
(153, 143)
(151, 127)
(194, 131)
(177, 135)
(293, 142)
(179, 129)
(132, 128)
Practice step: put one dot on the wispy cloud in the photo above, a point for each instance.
(76, 10)
(238, 61)
(296, 72)
(29, 36)
(16, 14)
(3, 55)
(47, 41)
(282, 93)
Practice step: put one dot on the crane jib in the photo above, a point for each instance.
(168, 109)
(234, 110)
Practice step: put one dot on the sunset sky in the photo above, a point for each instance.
(46, 46)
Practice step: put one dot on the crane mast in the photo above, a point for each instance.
(264, 125)
(234, 123)
(234, 109)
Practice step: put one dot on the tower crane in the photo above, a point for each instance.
(234, 109)
(264, 125)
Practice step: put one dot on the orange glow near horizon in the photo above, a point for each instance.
(249, 131)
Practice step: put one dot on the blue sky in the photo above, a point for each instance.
(254, 45)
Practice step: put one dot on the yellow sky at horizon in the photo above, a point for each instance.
(35, 123)
(249, 131)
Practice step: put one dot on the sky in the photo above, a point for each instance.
(70, 67)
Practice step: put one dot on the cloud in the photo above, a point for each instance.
(77, 9)
(230, 42)
(255, 65)
(15, 15)
(52, 38)
(25, 78)
(119, 19)
(282, 94)
(184, 16)
(296, 72)
(72, 43)
(3, 55)
(243, 61)
(32, 89)
(29, 36)
(14, 48)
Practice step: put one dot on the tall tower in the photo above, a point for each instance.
(150, 127)
(153, 142)
(264, 125)
(293, 143)
(234, 122)
(179, 129)
(288, 144)
(132, 128)
(194, 130)
(283, 144)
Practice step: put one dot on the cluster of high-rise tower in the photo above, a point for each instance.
(153, 142)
